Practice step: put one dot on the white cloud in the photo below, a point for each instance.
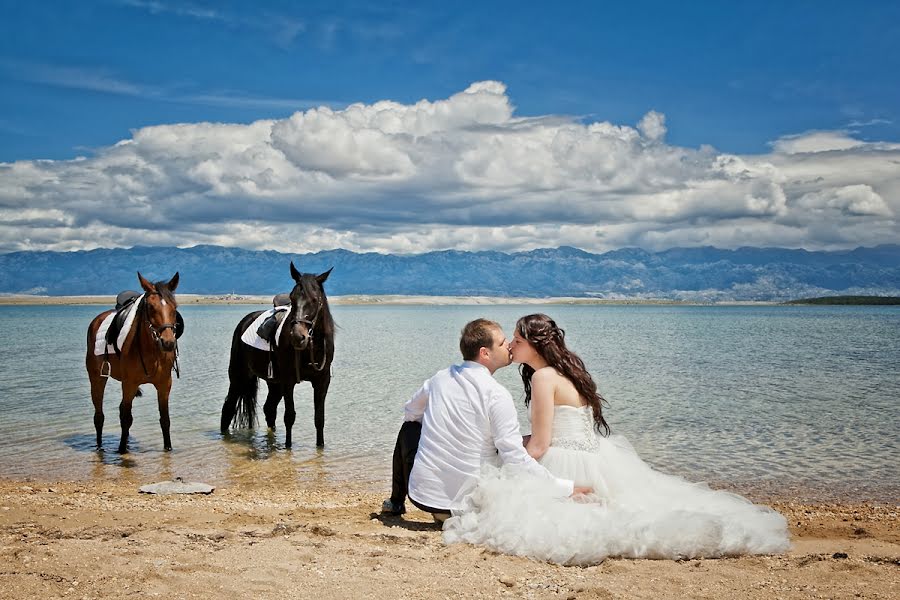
(182, 9)
(73, 77)
(852, 200)
(104, 81)
(462, 172)
(816, 141)
(653, 126)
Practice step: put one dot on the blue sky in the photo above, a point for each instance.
(755, 80)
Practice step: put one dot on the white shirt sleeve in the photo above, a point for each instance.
(415, 406)
(504, 423)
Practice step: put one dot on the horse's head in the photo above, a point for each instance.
(159, 308)
(309, 307)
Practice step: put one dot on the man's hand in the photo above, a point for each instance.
(585, 495)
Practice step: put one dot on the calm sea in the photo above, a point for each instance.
(774, 401)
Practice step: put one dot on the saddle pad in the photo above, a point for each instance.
(251, 338)
(100, 346)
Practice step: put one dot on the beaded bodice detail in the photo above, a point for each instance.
(573, 428)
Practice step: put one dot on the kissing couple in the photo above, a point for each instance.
(570, 493)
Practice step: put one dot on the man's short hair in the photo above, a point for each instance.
(475, 335)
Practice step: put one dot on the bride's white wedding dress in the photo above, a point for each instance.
(635, 511)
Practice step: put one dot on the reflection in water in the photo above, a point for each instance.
(259, 459)
(315, 471)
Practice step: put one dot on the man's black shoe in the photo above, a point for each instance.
(389, 508)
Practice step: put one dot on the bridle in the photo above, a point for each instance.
(156, 331)
(310, 328)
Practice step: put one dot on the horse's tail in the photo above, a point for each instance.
(240, 402)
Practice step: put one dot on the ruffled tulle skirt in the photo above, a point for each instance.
(635, 512)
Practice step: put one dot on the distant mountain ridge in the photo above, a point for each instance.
(702, 273)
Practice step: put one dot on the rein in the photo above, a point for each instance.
(157, 336)
(310, 327)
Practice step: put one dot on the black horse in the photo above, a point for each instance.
(303, 352)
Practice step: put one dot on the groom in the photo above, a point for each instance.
(459, 419)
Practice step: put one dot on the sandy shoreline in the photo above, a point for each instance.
(365, 299)
(104, 540)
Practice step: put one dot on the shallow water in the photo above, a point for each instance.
(776, 400)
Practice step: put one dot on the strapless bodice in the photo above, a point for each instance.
(573, 428)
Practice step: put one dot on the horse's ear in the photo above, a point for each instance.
(148, 287)
(321, 278)
(295, 273)
(173, 283)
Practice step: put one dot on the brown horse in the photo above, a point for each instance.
(303, 352)
(148, 355)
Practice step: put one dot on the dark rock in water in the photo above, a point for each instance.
(177, 486)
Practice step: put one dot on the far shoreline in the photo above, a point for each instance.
(379, 300)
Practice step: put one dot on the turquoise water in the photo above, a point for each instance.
(775, 401)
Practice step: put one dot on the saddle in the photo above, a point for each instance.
(268, 328)
(123, 303)
(124, 300)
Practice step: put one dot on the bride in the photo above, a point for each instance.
(634, 511)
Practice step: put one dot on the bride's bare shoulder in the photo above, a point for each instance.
(546, 374)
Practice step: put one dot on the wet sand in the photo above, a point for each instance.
(105, 540)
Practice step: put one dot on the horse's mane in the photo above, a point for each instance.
(311, 289)
(165, 293)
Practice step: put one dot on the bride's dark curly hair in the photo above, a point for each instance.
(548, 339)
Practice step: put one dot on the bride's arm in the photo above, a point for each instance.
(542, 392)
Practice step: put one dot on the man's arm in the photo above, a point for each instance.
(504, 424)
(415, 406)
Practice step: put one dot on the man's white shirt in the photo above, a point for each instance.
(468, 420)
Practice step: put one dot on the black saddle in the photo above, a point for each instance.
(123, 303)
(268, 328)
(281, 299)
(124, 300)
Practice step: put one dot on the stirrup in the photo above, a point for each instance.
(105, 369)
(269, 372)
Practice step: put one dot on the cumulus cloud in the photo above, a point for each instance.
(463, 172)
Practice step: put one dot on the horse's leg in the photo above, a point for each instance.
(270, 408)
(98, 385)
(129, 391)
(290, 415)
(240, 401)
(229, 407)
(162, 399)
(320, 389)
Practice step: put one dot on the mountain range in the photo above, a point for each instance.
(700, 274)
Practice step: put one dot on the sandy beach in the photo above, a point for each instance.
(106, 540)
